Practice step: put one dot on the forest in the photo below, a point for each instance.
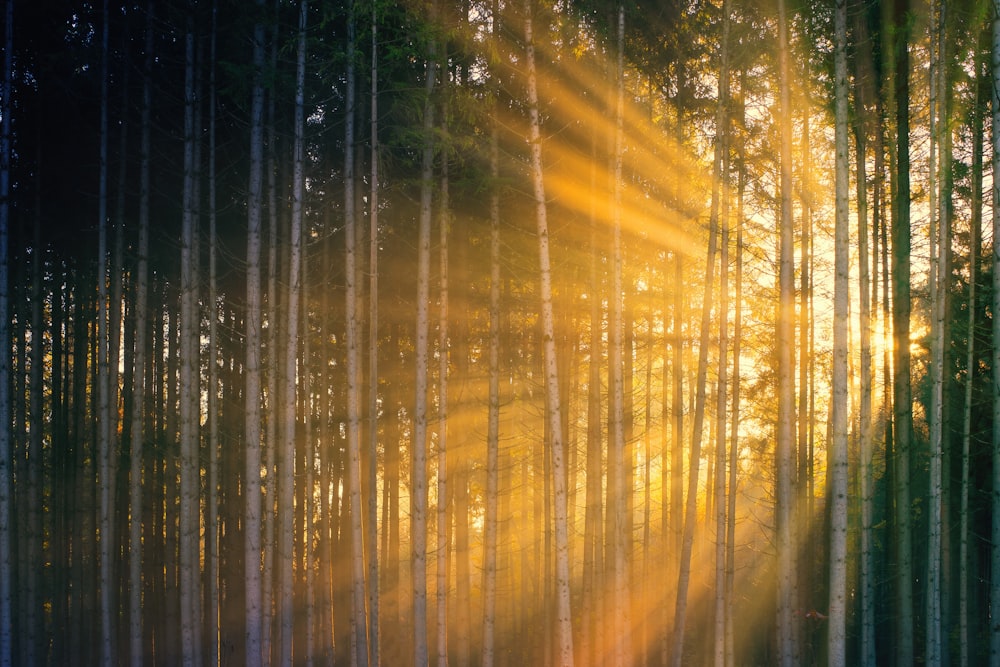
(606, 333)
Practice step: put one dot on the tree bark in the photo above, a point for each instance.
(837, 637)
(252, 423)
(554, 407)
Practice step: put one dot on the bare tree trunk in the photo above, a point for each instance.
(443, 497)
(188, 409)
(617, 486)
(722, 399)
(6, 453)
(286, 446)
(212, 519)
(837, 638)
(252, 492)
(136, 652)
(418, 484)
(374, 621)
(995, 525)
(975, 250)
(104, 431)
(691, 504)
(7, 527)
(359, 616)
(564, 622)
(491, 518)
(788, 650)
(862, 96)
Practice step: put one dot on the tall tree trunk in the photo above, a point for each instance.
(6, 452)
(354, 388)
(939, 330)
(189, 406)
(286, 446)
(722, 399)
(734, 431)
(418, 472)
(374, 622)
(443, 498)
(691, 504)
(788, 649)
(554, 407)
(862, 129)
(902, 390)
(254, 609)
(491, 516)
(975, 250)
(837, 637)
(212, 520)
(136, 652)
(995, 524)
(104, 430)
(621, 647)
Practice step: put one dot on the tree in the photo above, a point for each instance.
(251, 397)
(418, 473)
(837, 648)
(553, 403)
(6, 454)
(788, 649)
(995, 525)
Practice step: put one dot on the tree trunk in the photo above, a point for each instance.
(136, 652)
(6, 452)
(189, 418)
(374, 621)
(104, 430)
(902, 390)
(995, 524)
(862, 128)
(252, 492)
(554, 407)
(491, 517)
(788, 650)
(837, 637)
(722, 400)
(418, 472)
(691, 505)
(975, 251)
(617, 487)
(354, 383)
(443, 498)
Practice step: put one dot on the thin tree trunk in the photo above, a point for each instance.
(136, 652)
(975, 250)
(837, 637)
(418, 484)
(788, 650)
(286, 447)
(374, 623)
(443, 498)
(691, 505)
(722, 400)
(104, 432)
(995, 524)
(862, 128)
(190, 616)
(617, 510)
(212, 519)
(902, 390)
(564, 622)
(359, 616)
(6, 453)
(252, 493)
(939, 329)
(491, 518)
